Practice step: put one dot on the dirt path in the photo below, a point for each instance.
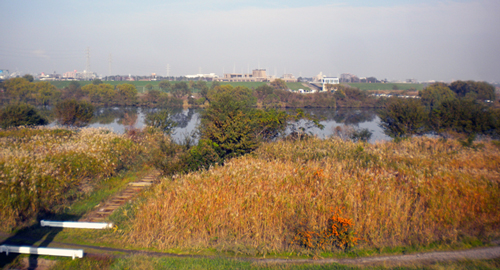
(485, 253)
(105, 209)
(410, 259)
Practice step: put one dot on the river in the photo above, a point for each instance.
(117, 118)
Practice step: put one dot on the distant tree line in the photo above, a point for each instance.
(97, 93)
(462, 107)
(273, 95)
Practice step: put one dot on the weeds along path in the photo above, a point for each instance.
(485, 253)
(105, 209)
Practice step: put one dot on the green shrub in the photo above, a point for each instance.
(403, 117)
(20, 114)
(74, 113)
(202, 156)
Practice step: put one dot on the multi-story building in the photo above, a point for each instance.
(348, 78)
(257, 75)
(289, 78)
(330, 81)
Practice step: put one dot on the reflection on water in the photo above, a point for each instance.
(118, 118)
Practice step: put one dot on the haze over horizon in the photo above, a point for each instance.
(393, 39)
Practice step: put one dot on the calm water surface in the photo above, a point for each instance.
(117, 118)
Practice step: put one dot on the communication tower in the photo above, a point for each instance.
(87, 69)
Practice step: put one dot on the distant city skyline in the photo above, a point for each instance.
(393, 39)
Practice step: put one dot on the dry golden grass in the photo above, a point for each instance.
(412, 192)
(43, 169)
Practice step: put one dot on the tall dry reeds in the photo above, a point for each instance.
(42, 169)
(412, 192)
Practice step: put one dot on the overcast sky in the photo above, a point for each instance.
(393, 39)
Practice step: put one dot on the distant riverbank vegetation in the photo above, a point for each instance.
(167, 94)
(460, 108)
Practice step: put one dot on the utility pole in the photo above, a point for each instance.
(87, 70)
(110, 59)
(168, 70)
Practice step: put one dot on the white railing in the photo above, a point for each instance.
(42, 251)
(80, 225)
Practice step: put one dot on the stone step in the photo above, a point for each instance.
(140, 184)
(132, 190)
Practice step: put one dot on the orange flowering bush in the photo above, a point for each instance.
(337, 234)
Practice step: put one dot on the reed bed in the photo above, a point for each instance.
(412, 192)
(41, 169)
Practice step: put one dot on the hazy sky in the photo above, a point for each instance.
(393, 39)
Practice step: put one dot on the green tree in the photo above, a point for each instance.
(20, 114)
(180, 90)
(263, 91)
(126, 94)
(74, 113)
(73, 90)
(279, 84)
(161, 120)
(28, 77)
(204, 92)
(149, 87)
(436, 93)
(96, 81)
(232, 122)
(102, 94)
(227, 120)
(164, 85)
(45, 93)
(473, 90)
(152, 98)
(200, 85)
(215, 84)
(462, 116)
(403, 117)
(19, 90)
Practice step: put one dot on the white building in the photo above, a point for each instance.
(327, 80)
(203, 76)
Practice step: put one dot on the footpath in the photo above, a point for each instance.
(104, 210)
